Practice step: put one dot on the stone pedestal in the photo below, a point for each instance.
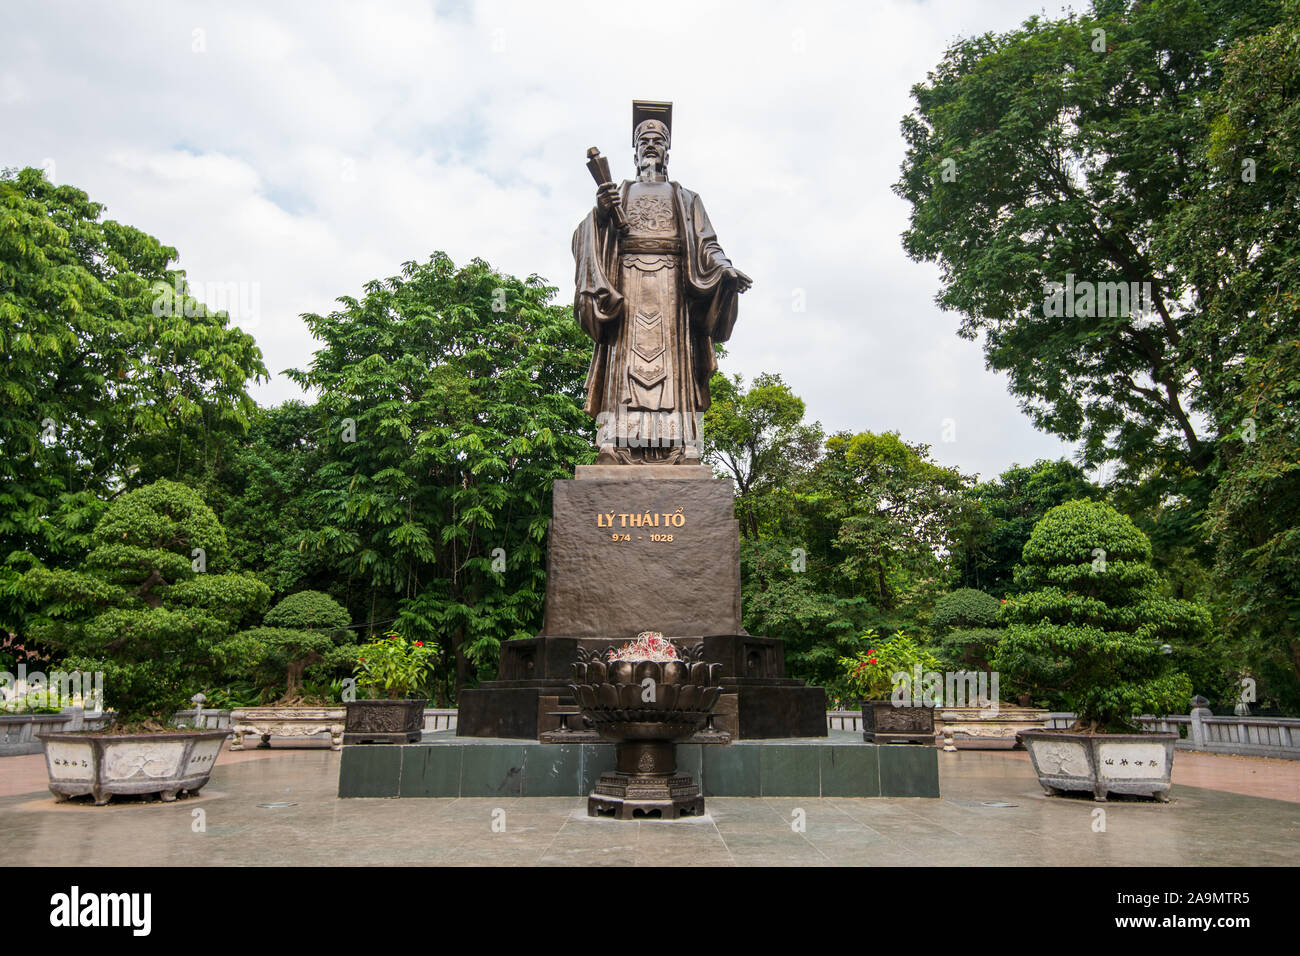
(655, 552)
(635, 548)
(645, 783)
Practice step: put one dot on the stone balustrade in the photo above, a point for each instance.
(1201, 730)
(18, 732)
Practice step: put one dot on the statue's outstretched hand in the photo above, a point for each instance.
(743, 282)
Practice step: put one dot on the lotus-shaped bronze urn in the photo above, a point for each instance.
(645, 707)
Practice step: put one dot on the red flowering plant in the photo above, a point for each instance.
(871, 674)
(392, 668)
(648, 646)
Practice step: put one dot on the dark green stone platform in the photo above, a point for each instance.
(444, 765)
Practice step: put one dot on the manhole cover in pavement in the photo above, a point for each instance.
(273, 806)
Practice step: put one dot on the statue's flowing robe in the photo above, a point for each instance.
(654, 301)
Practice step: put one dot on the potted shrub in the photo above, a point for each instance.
(306, 629)
(388, 671)
(886, 677)
(1095, 633)
(148, 611)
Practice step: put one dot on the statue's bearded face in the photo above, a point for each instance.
(652, 150)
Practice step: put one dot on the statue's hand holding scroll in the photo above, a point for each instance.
(608, 198)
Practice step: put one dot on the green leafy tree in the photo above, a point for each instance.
(818, 623)
(888, 511)
(1246, 224)
(757, 436)
(1089, 631)
(1067, 150)
(454, 401)
(1254, 522)
(857, 541)
(104, 370)
(261, 490)
(305, 629)
(148, 606)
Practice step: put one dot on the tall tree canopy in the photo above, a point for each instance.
(261, 489)
(453, 399)
(1066, 151)
(758, 437)
(103, 369)
(1251, 230)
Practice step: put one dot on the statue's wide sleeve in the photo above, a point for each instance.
(596, 300)
(707, 272)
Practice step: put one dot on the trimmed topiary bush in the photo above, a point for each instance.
(965, 622)
(964, 608)
(1088, 631)
(304, 629)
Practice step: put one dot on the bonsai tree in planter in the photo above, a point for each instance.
(388, 672)
(1094, 628)
(150, 611)
(149, 606)
(305, 629)
(966, 623)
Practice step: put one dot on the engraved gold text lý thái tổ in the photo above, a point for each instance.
(641, 519)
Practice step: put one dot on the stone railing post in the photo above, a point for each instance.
(1197, 730)
(76, 718)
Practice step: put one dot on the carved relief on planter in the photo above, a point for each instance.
(981, 728)
(153, 760)
(884, 723)
(384, 721)
(268, 722)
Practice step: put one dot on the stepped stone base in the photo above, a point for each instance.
(758, 702)
(635, 548)
(444, 765)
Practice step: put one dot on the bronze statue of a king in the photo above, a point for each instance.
(654, 290)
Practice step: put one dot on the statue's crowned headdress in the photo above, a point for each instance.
(651, 114)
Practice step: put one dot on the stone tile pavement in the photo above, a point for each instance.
(1225, 811)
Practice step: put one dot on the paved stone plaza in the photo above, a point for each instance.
(1225, 811)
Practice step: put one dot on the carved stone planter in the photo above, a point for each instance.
(645, 707)
(883, 723)
(1102, 763)
(297, 721)
(104, 764)
(384, 721)
(981, 728)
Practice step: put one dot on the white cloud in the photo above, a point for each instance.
(312, 147)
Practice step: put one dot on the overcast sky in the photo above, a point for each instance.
(302, 149)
